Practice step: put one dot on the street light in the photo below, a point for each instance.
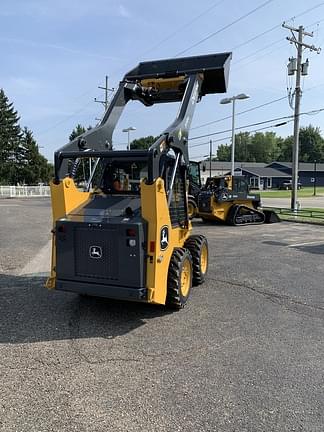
(227, 101)
(131, 128)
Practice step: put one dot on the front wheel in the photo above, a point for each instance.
(192, 208)
(198, 247)
(179, 278)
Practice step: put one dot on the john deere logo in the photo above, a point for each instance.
(95, 252)
(164, 238)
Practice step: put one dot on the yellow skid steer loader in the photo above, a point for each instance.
(127, 234)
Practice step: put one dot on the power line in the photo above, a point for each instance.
(208, 37)
(258, 123)
(250, 131)
(184, 26)
(171, 35)
(273, 28)
(146, 52)
(255, 37)
(259, 50)
(278, 26)
(65, 119)
(262, 49)
(306, 11)
(239, 113)
(251, 109)
(242, 17)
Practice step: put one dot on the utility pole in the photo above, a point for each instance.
(107, 90)
(301, 69)
(210, 157)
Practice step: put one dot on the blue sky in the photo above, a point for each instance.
(55, 54)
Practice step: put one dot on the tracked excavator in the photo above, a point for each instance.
(127, 234)
(225, 199)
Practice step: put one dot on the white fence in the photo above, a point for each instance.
(24, 191)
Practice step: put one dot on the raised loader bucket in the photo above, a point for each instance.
(214, 67)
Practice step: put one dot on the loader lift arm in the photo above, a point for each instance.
(173, 80)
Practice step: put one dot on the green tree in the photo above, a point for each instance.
(33, 168)
(264, 147)
(223, 152)
(10, 136)
(258, 147)
(20, 160)
(243, 147)
(83, 170)
(142, 143)
(311, 144)
(285, 149)
(77, 131)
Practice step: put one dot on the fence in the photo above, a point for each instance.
(303, 214)
(24, 191)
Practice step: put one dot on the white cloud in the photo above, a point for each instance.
(123, 11)
(64, 10)
(36, 44)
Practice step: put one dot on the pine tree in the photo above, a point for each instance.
(32, 168)
(78, 130)
(83, 170)
(10, 135)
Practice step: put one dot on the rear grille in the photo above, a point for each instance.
(105, 240)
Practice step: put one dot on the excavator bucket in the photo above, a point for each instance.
(213, 67)
(271, 216)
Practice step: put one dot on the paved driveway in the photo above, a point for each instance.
(246, 354)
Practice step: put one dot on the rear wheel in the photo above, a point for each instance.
(198, 247)
(179, 278)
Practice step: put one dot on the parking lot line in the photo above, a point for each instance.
(9, 205)
(306, 243)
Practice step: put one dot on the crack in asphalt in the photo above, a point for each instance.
(142, 355)
(275, 296)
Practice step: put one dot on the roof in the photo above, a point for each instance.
(283, 164)
(265, 172)
(224, 165)
(303, 166)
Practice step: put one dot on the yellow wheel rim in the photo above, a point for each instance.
(203, 259)
(191, 210)
(185, 277)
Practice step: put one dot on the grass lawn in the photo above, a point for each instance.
(307, 215)
(303, 193)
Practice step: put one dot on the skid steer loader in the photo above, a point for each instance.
(225, 199)
(127, 235)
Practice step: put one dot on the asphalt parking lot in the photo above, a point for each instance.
(246, 354)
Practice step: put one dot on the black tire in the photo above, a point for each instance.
(177, 293)
(198, 247)
(192, 208)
